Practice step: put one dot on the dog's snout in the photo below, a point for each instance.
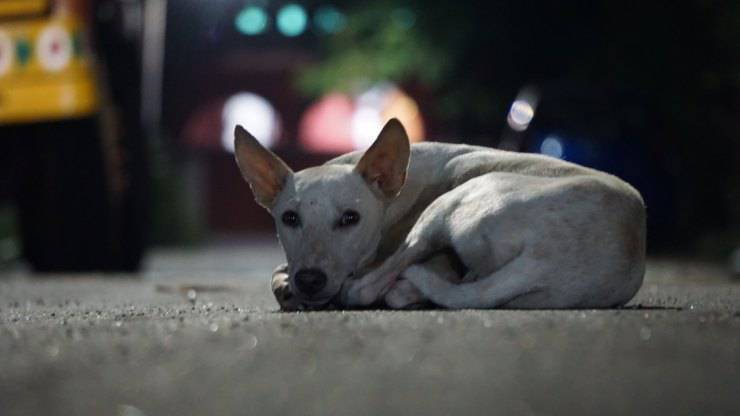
(310, 281)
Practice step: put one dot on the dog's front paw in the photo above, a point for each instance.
(282, 291)
(285, 298)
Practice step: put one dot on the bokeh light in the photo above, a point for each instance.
(379, 104)
(252, 20)
(366, 123)
(520, 115)
(552, 146)
(325, 127)
(292, 20)
(255, 114)
(337, 123)
(400, 105)
(329, 20)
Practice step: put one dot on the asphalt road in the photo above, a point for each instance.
(198, 333)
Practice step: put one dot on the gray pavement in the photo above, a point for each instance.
(133, 345)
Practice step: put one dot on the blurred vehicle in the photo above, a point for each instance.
(65, 168)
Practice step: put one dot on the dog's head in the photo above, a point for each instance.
(328, 217)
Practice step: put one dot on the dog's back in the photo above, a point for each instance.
(496, 210)
(436, 168)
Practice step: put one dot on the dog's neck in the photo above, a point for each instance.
(402, 212)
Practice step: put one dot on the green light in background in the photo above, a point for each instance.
(329, 20)
(292, 20)
(251, 20)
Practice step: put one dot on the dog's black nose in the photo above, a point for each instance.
(310, 281)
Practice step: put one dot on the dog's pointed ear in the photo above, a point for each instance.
(262, 169)
(384, 164)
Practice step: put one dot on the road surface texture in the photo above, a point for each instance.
(198, 333)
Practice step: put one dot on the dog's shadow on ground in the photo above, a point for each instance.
(432, 307)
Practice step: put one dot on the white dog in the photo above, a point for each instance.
(459, 226)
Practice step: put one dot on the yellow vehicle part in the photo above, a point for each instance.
(39, 85)
(13, 8)
(51, 100)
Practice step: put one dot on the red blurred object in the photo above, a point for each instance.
(338, 123)
(326, 125)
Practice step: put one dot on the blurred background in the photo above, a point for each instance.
(116, 116)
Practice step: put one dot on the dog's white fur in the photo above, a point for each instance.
(530, 231)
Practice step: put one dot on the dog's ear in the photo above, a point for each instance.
(262, 169)
(384, 164)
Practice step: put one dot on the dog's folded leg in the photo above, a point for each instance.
(281, 289)
(404, 295)
(495, 290)
(375, 284)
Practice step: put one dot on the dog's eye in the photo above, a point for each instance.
(291, 219)
(349, 217)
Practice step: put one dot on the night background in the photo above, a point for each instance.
(135, 264)
(647, 92)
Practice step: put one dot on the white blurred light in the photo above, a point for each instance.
(366, 124)
(520, 115)
(367, 120)
(253, 112)
(552, 146)
(374, 107)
